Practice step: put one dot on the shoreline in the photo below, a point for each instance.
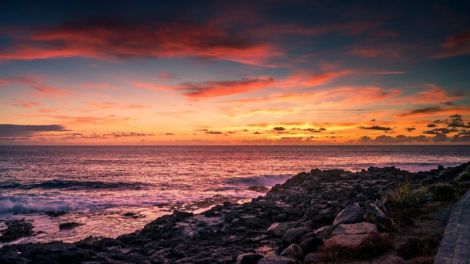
(314, 217)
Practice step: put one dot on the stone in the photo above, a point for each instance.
(355, 229)
(293, 251)
(55, 213)
(324, 232)
(68, 225)
(311, 258)
(349, 241)
(248, 258)
(278, 229)
(16, 229)
(310, 242)
(277, 260)
(294, 234)
(351, 214)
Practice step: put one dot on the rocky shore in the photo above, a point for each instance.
(378, 215)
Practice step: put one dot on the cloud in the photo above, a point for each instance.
(105, 39)
(380, 128)
(222, 88)
(456, 45)
(36, 83)
(11, 130)
(26, 104)
(279, 129)
(383, 139)
(310, 80)
(436, 111)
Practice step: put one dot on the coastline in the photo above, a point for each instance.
(314, 217)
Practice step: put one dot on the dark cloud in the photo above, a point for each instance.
(279, 128)
(310, 130)
(410, 129)
(380, 128)
(10, 130)
(213, 132)
(425, 110)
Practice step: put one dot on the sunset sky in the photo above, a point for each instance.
(235, 72)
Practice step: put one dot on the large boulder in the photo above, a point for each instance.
(293, 235)
(293, 251)
(351, 214)
(377, 214)
(347, 241)
(277, 260)
(355, 229)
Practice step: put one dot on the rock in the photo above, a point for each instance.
(349, 215)
(277, 260)
(293, 235)
(348, 241)
(55, 213)
(311, 258)
(377, 214)
(16, 229)
(310, 242)
(265, 250)
(132, 215)
(355, 229)
(293, 251)
(69, 225)
(278, 229)
(248, 258)
(324, 232)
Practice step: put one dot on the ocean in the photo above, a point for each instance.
(98, 185)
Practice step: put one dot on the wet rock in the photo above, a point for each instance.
(351, 214)
(248, 258)
(132, 215)
(68, 225)
(277, 260)
(293, 235)
(293, 251)
(355, 229)
(16, 229)
(55, 213)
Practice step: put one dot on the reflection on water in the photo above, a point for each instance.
(97, 185)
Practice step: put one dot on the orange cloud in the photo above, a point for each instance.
(311, 80)
(36, 84)
(110, 39)
(432, 95)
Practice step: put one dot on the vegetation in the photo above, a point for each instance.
(406, 202)
(415, 247)
(443, 192)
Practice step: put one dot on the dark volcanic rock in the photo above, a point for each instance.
(248, 258)
(68, 225)
(55, 213)
(351, 214)
(280, 223)
(16, 229)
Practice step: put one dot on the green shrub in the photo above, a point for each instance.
(442, 192)
(406, 202)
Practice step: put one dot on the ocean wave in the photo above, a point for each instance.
(261, 180)
(75, 185)
(30, 205)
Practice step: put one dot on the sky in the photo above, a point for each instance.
(235, 72)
